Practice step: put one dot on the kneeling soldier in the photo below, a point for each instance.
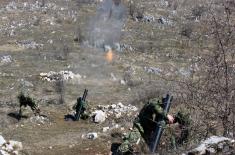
(28, 101)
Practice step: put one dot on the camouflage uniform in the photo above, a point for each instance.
(143, 125)
(27, 101)
(131, 141)
(80, 108)
(183, 119)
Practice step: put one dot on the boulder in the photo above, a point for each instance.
(105, 129)
(213, 145)
(2, 140)
(16, 145)
(8, 147)
(100, 116)
(2, 152)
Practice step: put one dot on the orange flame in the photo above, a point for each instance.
(109, 56)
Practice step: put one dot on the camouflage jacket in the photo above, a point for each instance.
(153, 111)
(80, 105)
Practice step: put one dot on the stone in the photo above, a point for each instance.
(2, 140)
(118, 115)
(29, 44)
(211, 150)
(153, 70)
(92, 135)
(16, 145)
(105, 129)
(2, 152)
(120, 105)
(149, 18)
(8, 147)
(5, 59)
(55, 76)
(123, 82)
(113, 77)
(211, 145)
(100, 116)
(15, 152)
(113, 106)
(116, 126)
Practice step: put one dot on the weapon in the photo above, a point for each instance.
(80, 107)
(159, 128)
(84, 95)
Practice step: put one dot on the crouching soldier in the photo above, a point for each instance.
(130, 143)
(183, 120)
(151, 114)
(28, 101)
(80, 107)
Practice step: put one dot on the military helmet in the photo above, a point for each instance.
(155, 101)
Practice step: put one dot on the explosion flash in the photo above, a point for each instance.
(109, 56)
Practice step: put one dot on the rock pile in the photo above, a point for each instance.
(28, 6)
(153, 70)
(39, 120)
(13, 27)
(5, 59)
(116, 110)
(215, 145)
(9, 147)
(29, 44)
(62, 75)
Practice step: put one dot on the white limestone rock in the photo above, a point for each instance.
(2, 140)
(100, 116)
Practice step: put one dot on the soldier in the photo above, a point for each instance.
(28, 101)
(144, 125)
(183, 119)
(80, 108)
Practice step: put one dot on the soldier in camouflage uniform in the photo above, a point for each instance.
(28, 101)
(144, 125)
(183, 119)
(80, 108)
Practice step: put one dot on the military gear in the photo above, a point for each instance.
(182, 118)
(156, 136)
(151, 113)
(81, 106)
(27, 101)
(184, 123)
(144, 124)
(131, 141)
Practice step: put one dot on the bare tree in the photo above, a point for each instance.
(211, 89)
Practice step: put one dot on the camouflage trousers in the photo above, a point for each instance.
(131, 142)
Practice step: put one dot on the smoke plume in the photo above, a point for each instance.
(105, 27)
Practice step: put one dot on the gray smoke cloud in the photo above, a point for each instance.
(105, 27)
